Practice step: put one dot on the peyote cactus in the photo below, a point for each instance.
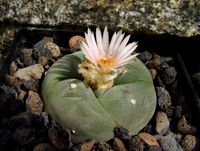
(93, 109)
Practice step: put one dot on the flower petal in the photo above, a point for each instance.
(99, 42)
(113, 41)
(126, 61)
(86, 51)
(92, 44)
(123, 45)
(117, 43)
(105, 39)
(126, 52)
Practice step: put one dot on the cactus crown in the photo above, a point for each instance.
(127, 101)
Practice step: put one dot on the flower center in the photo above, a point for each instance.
(106, 62)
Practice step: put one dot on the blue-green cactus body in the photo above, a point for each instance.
(129, 103)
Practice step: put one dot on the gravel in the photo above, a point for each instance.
(25, 126)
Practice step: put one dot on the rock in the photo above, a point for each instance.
(162, 123)
(165, 62)
(196, 77)
(157, 17)
(43, 60)
(59, 137)
(65, 50)
(40, 45)
(9, 106)
(104, 146)
(19, 63)
(177, 136)
(26, 57)
(27, 130)
(6, 136)
(75, 41)
(30, 72)
(136, 144)
(10, 90)
(12, 81)
(145, 56)
(34, 102)
(121, 133)
(42, 52)
(84, 146)
(153, 148)
(148, 129)
(178, 112)
(155, 62)
(24, 119)
(53, 48)
(169, 60)
(163, 65)
(185, 127)
(153, 73)
(13, 68)
(190, 143)
(32, 84)
(149, 139)
(21, 95)
(21, 136)
(43, 147)
(41, 117)
(164, 98)
(169, 143)
(118, 145)
(160, 82)
(7, 35)
(169, 75)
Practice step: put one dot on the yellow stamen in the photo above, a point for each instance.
(106, 62)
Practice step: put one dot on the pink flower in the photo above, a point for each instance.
(107, 55)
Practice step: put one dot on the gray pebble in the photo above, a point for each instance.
(136, 144)
(154, 148)
(177, 136)
(164, 98)
(178, 112)
(32, 84)
(43, 116)
(165, 62)
(145, 56)
(169, 143)
(26, 57)
(169, 75)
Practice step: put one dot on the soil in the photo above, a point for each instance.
(24, 125)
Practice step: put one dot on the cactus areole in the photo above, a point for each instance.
(91, 93)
